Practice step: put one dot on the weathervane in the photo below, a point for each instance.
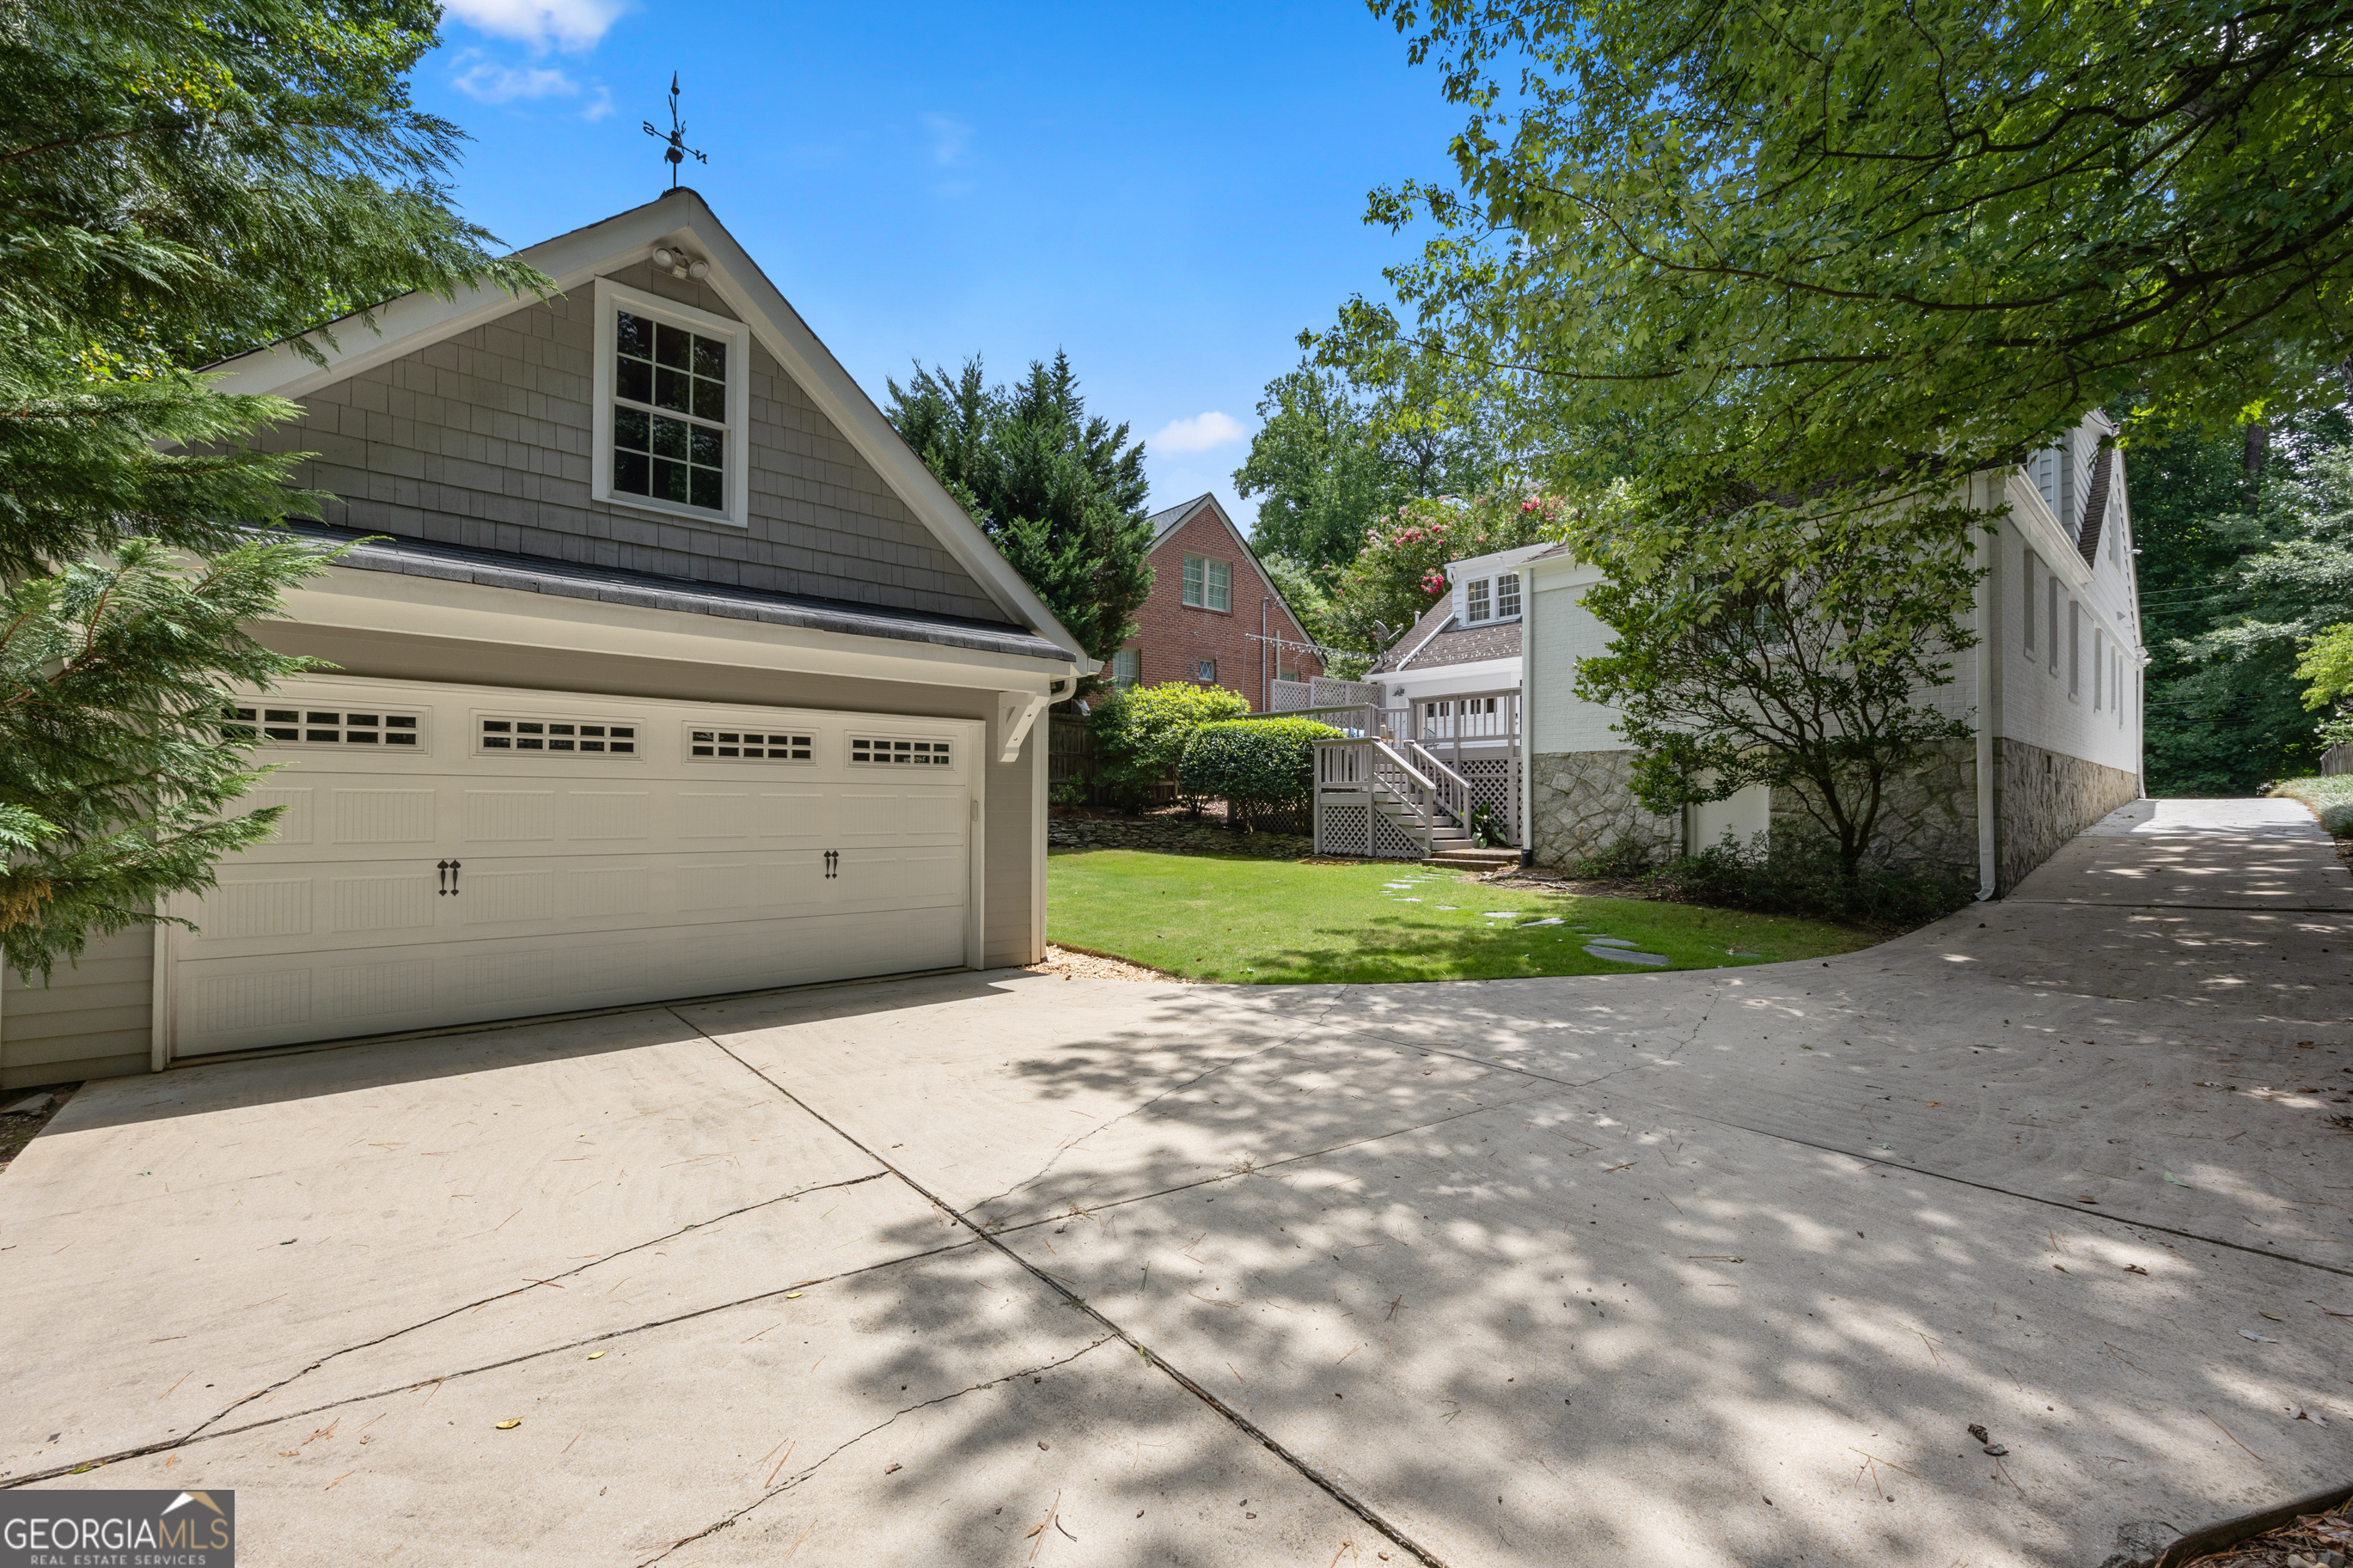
(678, 151)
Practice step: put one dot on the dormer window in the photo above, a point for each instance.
(1479, 606)
(672, 384)
(1507, 595)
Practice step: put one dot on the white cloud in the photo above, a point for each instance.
(601, 107)
(1198, 434)
(487, 81)
(543, 24)
(950, 137)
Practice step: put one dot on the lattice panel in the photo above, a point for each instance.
(1340, 829)
(1492, 782)
(1392, 842)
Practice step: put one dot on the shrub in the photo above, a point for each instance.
(1800, 874)
(1628, 857)
(2330, 798)
(1262, 768)
(1140, 734)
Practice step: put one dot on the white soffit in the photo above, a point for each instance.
(575, 260)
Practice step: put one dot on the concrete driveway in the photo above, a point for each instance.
(1008, 1268)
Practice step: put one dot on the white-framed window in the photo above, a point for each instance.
(1477, 602)
(672, 390)
(1208, 585)
(2027, 620)
(1204, 670)
(1507, 595)
(2074, 648)
(2099, 669)
(2051, 621)
(1127, 667)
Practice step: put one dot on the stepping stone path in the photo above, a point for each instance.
(1625, 955)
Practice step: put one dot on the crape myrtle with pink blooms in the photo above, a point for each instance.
(1402, 570)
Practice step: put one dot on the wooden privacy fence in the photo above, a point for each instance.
(1069, 752)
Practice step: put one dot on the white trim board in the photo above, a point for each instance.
(679, 217)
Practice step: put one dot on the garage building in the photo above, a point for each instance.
(662, 669)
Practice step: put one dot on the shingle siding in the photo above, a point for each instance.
(487, 440)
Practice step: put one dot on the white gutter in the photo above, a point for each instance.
(1988, 715)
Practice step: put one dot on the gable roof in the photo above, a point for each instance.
(1437, 640)
(574, 260)
(1165, 523)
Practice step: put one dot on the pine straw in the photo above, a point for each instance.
(1073, 963)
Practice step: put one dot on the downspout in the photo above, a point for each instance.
(1265, 686)
(1527, 780)
(1989, 705)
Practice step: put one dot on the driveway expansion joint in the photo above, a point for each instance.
(1329, 1486)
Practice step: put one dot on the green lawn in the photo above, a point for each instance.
(1265, 922)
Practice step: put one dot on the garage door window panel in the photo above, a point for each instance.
(511, 735)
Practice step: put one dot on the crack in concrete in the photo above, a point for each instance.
(206, 1432)
(234, 1406)
(1330, 1486)
(736, 1516)
(1204, 1075)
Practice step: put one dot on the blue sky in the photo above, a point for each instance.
(1169, 193)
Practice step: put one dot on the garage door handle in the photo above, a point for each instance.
(832, 864)
(448, 869)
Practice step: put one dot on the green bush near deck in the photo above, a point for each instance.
(1140, 734)
(1264, 769)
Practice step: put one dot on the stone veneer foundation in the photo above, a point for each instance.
(2041, 799)
(1584, 804)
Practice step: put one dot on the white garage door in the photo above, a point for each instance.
(453, 854)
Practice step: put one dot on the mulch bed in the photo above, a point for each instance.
(20, 1129)
(2314, 1541)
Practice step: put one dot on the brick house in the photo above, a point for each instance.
(1214, 615)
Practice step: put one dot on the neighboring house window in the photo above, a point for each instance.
(2099, 669)
(1208, 585)
(1282, 673)
(1507, 595)
(1127, 667)
(2032, 572)
(671, 399)
(1476, 600)
(1206, 672)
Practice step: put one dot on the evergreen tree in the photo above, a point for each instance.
(1061, 492)
(179, 185)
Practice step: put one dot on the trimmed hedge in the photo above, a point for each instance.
(1262, 768)
(1140, 734)
(2330, 798)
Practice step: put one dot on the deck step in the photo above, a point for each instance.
(1486, 859)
